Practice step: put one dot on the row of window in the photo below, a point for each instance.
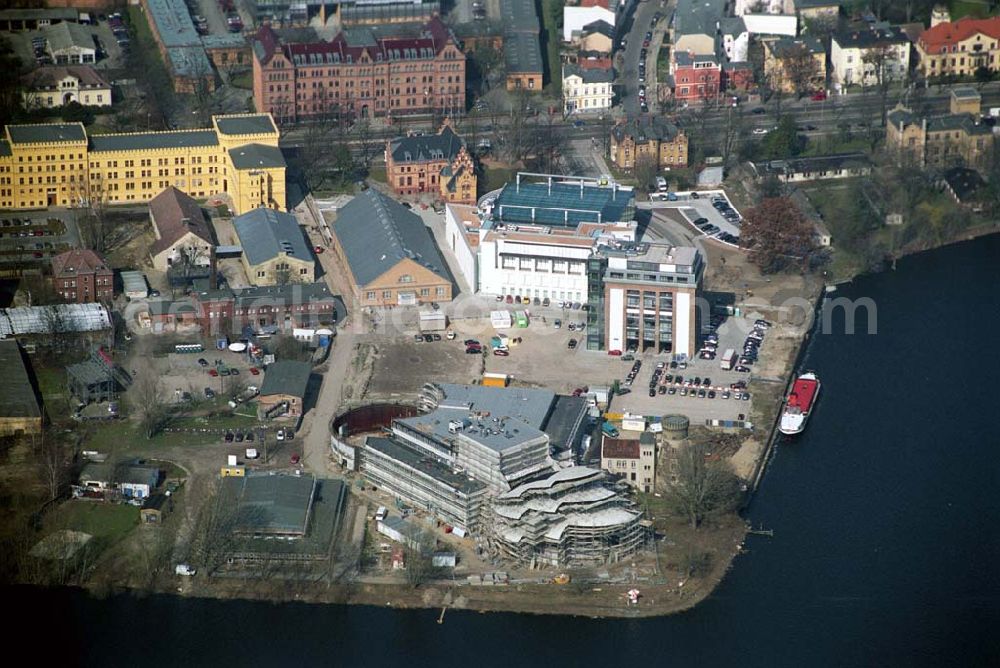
(424, 292)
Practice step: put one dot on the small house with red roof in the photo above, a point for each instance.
(82, 277)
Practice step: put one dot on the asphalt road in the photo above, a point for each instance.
(636, 25)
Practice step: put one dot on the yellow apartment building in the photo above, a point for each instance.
(59, 165)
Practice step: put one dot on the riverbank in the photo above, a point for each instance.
(576, 598)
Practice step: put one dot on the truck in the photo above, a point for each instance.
(495, 379)
(728, 359)
(609, 430)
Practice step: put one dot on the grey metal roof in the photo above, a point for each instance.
(46, 133)
(870, 37)
(250, 156)
(376, 233)
(519, 16)
(52, 14)
(142, 141)
(785, 45)
(564, 420)
(513, 415)
(286, 377)
(18, 393)
(420, 461)
(226, 41)
(266, 234)
(249, 124)
(589, 76)
(5, 148)
(522, 53)
(173, 23)
(133, 281)
(67, 35)
(732, 25)
(189, 61)
(272, 503)
(444, 145)
(697, 17)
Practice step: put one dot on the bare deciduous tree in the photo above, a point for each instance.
(703, 487)
(146, 398)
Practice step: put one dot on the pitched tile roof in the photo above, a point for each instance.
(266, 234)
(50, 76)
(80, 261)
(620, 448)
(933, 40)
(175, 214)
(376, 233)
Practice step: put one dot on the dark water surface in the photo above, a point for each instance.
(886, 515)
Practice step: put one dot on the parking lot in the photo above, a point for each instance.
(695, 205)
(688, 388)
(33, 236)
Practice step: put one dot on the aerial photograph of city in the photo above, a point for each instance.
(500, 333)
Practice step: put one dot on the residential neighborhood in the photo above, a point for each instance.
(381, 300)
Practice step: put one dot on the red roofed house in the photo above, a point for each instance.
(82, 277)
(634, 460)
(362, 77)
(959, 47)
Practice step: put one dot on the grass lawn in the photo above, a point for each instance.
(973, 8)
(377, 173)
(114, 434)
(829, 145)
(242, 80)
(51, 382)
(662, 63)
(107, 521)
(495, 177)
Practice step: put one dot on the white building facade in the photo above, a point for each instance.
(857, 57)
(55, 86)
(538, 261)
(586, 90)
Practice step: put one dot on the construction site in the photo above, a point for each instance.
(575, 517)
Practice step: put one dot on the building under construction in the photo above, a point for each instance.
(574, 517)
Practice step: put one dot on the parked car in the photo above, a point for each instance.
(500, 352)
(571, 344)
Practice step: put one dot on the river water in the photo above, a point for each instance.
(886, 515)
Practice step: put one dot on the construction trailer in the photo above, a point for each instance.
(433, 321)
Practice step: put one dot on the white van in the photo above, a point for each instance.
(381, 513)
(184, 569)
(661, 184)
